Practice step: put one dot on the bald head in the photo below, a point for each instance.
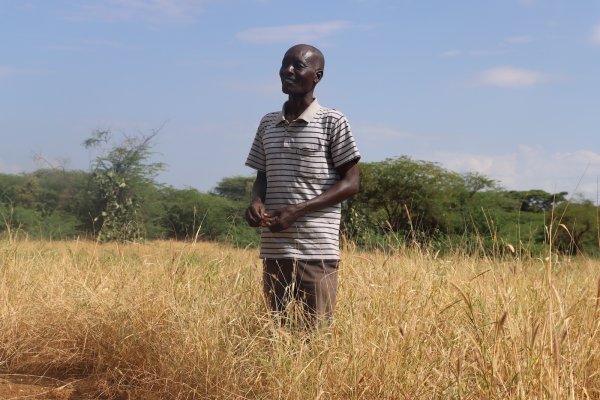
(311, 53)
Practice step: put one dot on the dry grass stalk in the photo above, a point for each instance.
(179, 321)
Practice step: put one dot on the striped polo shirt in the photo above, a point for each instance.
(300, 160)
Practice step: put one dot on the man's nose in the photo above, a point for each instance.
(289, 69)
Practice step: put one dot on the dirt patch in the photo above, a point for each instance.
(38, 388)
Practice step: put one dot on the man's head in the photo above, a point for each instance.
(301, 69)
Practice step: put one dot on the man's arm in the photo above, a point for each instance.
(346, 187)
(255, 213)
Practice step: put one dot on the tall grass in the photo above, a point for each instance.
(167, 320)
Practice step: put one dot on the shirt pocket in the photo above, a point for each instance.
(311, 161)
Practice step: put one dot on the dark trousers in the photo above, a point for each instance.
(311, 283)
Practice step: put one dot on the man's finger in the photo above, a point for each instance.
(253, 217)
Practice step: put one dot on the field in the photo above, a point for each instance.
(167, 320)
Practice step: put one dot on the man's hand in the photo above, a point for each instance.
(255, 214)
(283, 218)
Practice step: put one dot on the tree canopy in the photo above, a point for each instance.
(122, 175)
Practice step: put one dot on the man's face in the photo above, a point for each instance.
(298, 71)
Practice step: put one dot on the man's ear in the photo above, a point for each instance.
(319, 76)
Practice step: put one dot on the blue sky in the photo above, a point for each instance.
(507, 88)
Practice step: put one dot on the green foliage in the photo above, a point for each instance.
(420, 202)
(474, 182)
(46, 203)
(575, 229)
(238, 188)
(121, 175)
(415, 198)
(181, 217)
(9, 186)
(20, 221)
(538, 200)
(191, 215)
(494, 220)
(402, 202)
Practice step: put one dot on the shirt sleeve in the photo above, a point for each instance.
(256, 156)
(343, 146)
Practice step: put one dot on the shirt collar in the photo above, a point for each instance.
(306, 116)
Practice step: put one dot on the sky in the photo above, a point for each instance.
(506, 88)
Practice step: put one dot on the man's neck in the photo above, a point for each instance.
(296, 105)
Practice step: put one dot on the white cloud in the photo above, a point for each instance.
(532, 168)
(380, 133)
(518, 39)
(596, 35)
(486, 53)
(85, 45)
(63, 47)
(523, 167)
(292, 33)
(8, 72)
(452, 53)
(472, 53)
(380, 140)
(527, 3)
(153, 11)
(512, 77)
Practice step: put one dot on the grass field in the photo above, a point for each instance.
(166, 320)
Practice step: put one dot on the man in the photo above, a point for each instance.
(307, 164)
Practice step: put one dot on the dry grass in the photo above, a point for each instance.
(179, 321)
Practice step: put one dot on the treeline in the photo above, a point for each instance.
(422, 203)
(62, 204)
(117, 200)
(402, 201)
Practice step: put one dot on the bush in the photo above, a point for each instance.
(191, 215)
(22, 221)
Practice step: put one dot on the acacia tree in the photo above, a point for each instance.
(536, 200)
(417, 199)
(238, 188)
(121, 173)
(575, 229)
(410, 195)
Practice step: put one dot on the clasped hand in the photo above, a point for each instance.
(276, 221)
